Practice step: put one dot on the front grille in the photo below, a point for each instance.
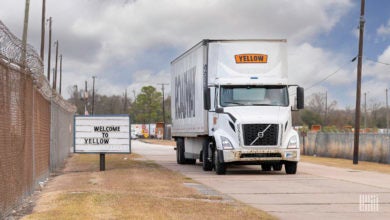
(259, 135)
(260, 155)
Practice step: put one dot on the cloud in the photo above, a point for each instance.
(375, 91)
(115, 39)
(384, 30)
(379, 69)
(310, 65)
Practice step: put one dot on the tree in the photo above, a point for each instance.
(319, 104)
(103, 104)
(168, 118)
(310, 118)
(147, 107)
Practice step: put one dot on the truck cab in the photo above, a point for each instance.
(251, 124)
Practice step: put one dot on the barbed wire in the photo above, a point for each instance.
(11, 52)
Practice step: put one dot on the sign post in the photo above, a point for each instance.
(102, 162)
(102, 134)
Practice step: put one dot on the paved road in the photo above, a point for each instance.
(315, 192)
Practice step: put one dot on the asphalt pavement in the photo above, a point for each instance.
(315, 192)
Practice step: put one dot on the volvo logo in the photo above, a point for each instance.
(260, 134)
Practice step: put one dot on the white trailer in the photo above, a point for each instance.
(231, 104)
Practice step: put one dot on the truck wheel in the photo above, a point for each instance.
(180, 151)
(290, 167)
(266, 167)
(190, 161)
(207, 156)
(220, 167)
(277, 166)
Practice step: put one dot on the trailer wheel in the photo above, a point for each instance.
(290, 167)
(220, 167)
(180, 151)
(207, 156)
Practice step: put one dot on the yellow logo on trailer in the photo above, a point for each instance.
(251, 58)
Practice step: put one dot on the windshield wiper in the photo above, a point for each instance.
(263, 105)
(236, 103)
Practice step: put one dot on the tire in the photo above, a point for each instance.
(180, 151)
(220, 167)
(266, 167)
(190, 161)
(206, 157)
(290, 167)
(277, 167)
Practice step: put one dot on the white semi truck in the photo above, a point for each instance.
(231, 104)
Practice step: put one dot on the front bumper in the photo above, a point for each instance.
(261, 155)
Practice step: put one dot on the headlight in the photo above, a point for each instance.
(293, 143)
(226, 144)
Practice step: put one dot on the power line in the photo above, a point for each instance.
(387, 64)
(328, 76)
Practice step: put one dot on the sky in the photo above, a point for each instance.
(128, 44)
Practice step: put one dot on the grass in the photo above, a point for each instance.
(345, 163)
(130, 188)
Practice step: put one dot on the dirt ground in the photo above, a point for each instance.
(158, 141)
(130, 188)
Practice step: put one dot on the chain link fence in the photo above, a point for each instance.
(61, 137)
(30, 113)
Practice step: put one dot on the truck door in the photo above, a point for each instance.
(212, 115)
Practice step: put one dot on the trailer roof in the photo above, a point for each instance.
(207, 41)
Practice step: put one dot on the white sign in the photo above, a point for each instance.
(102, 134)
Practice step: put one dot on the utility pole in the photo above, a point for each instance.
(358, 86)
(43, 30)
(86, 99)
(93, 95)
(55, 72)
(365, 111)
(125, 104)
(163, 107)
(60, 73)
(326, 108)
(75, 95)
(387, 112)
(24, 38)
(49, 53)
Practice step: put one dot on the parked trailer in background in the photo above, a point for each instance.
(231, 104)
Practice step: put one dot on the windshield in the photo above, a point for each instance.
(254, 95)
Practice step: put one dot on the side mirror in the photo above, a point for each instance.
(206, 98)
(300, 98)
